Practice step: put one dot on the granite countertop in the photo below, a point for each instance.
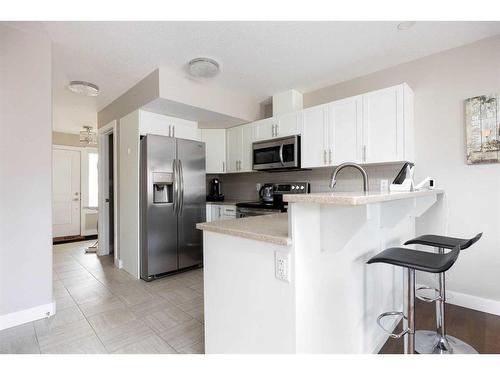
(356, 198)
(267, 228)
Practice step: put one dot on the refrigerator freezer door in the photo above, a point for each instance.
(158, 220)
(192, 207)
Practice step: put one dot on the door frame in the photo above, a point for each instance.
(79, 150)
(84, 178)
(103, 160)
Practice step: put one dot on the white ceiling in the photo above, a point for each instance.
(259, 58)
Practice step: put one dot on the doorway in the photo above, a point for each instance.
(108, 222)
(66, 192)
(111, 195)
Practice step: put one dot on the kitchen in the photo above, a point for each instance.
(288, 214)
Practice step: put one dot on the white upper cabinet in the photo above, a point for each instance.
(278, 126)
(287, 124)
(155, 123)
(345, 135)
(215, 146)
(239, 148)
(314, 140)
(376, 127)
(263, 129)
(246, 148)
(233, 148)
(384, 125)
(186, 131)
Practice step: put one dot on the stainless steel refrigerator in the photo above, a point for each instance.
(172, 201)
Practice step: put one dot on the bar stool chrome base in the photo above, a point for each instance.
(430, 342)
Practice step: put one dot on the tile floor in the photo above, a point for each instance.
(101, 309)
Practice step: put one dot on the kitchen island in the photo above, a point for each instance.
(299, 282)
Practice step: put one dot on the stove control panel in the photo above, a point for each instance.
(292, 188)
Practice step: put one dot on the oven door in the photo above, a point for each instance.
(248, 212)
(281, 153)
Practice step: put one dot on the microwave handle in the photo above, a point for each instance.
(281, 154)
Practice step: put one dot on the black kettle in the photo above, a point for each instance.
(214, 191)
(266, 193)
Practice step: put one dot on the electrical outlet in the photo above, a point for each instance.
(281, 265)
(257, 185)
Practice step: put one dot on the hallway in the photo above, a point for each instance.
(101, 309)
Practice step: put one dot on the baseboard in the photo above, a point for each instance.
(469, 301)
(118, 263)
(25, 316)
(486, 305)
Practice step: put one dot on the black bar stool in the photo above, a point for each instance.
(429, 342)
(412, 260)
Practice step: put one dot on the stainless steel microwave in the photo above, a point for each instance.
(276, 154)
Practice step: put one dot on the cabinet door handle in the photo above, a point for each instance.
(272, 130)
(169, 131)
(173, 131)
(223, 166)
(364, 153)
(324, 156)
(330, 156)
(276, 131)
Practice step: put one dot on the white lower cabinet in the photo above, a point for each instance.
(215, 149)
(220, 211)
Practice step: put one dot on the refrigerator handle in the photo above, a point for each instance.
(181, 188)
(176, 185)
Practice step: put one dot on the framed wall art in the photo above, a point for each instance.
(482, 126)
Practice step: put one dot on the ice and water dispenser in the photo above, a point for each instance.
(162, 187)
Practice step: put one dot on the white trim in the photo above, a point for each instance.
(29, 315)
(84, 177)
(102, 132)
(469, 301)
(118, 263)
(64, 147)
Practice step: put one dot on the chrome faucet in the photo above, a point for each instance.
(333, 181)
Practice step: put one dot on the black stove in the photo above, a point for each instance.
(277, 205)
(263, 205)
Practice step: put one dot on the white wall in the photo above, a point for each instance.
(441, 83)
(128, 192)
(25, 177)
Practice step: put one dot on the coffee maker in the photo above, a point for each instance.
(214, 191)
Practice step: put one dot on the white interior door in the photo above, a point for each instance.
(66, 192)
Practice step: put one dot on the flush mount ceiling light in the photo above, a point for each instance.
(203, 67)
(406, 25)
(87, 136)
(83, 88)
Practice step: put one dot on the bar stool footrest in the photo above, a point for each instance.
(389, 333)
(427, 299)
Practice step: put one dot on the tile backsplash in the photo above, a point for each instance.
(243, 185)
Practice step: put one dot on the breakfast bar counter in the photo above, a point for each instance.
(299, 283)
